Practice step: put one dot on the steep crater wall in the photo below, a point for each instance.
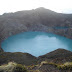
(35, 20)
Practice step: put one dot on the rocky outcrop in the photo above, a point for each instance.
(1, 50)
(57, 56)
(40, 19)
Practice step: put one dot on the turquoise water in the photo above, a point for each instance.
(36, 43)
(61, 27)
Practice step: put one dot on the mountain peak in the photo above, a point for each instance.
(41, 8)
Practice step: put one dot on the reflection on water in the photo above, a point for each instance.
(36, 43)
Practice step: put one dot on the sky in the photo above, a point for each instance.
(61, 6)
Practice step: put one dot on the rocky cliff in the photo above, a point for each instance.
(40, 19)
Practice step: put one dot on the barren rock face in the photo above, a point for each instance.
(35, 20)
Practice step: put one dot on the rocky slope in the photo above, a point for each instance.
(18, 57)
(1, 50)
(40, 19)
(59, 55)
(59, 60)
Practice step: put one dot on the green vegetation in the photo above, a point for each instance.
(20, 68)
(13, 67)
(65, 66)
(48, 63)
(8, 67)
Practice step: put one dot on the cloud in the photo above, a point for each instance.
(17, 5)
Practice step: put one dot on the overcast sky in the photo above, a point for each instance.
(61, 6)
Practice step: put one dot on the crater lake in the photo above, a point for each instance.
(36, 43)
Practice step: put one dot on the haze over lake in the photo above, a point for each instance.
(36, 43)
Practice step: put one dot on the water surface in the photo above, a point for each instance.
(36, 43)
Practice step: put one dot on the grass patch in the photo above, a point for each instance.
(13, 67)
(65, 66)
(20, 68)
